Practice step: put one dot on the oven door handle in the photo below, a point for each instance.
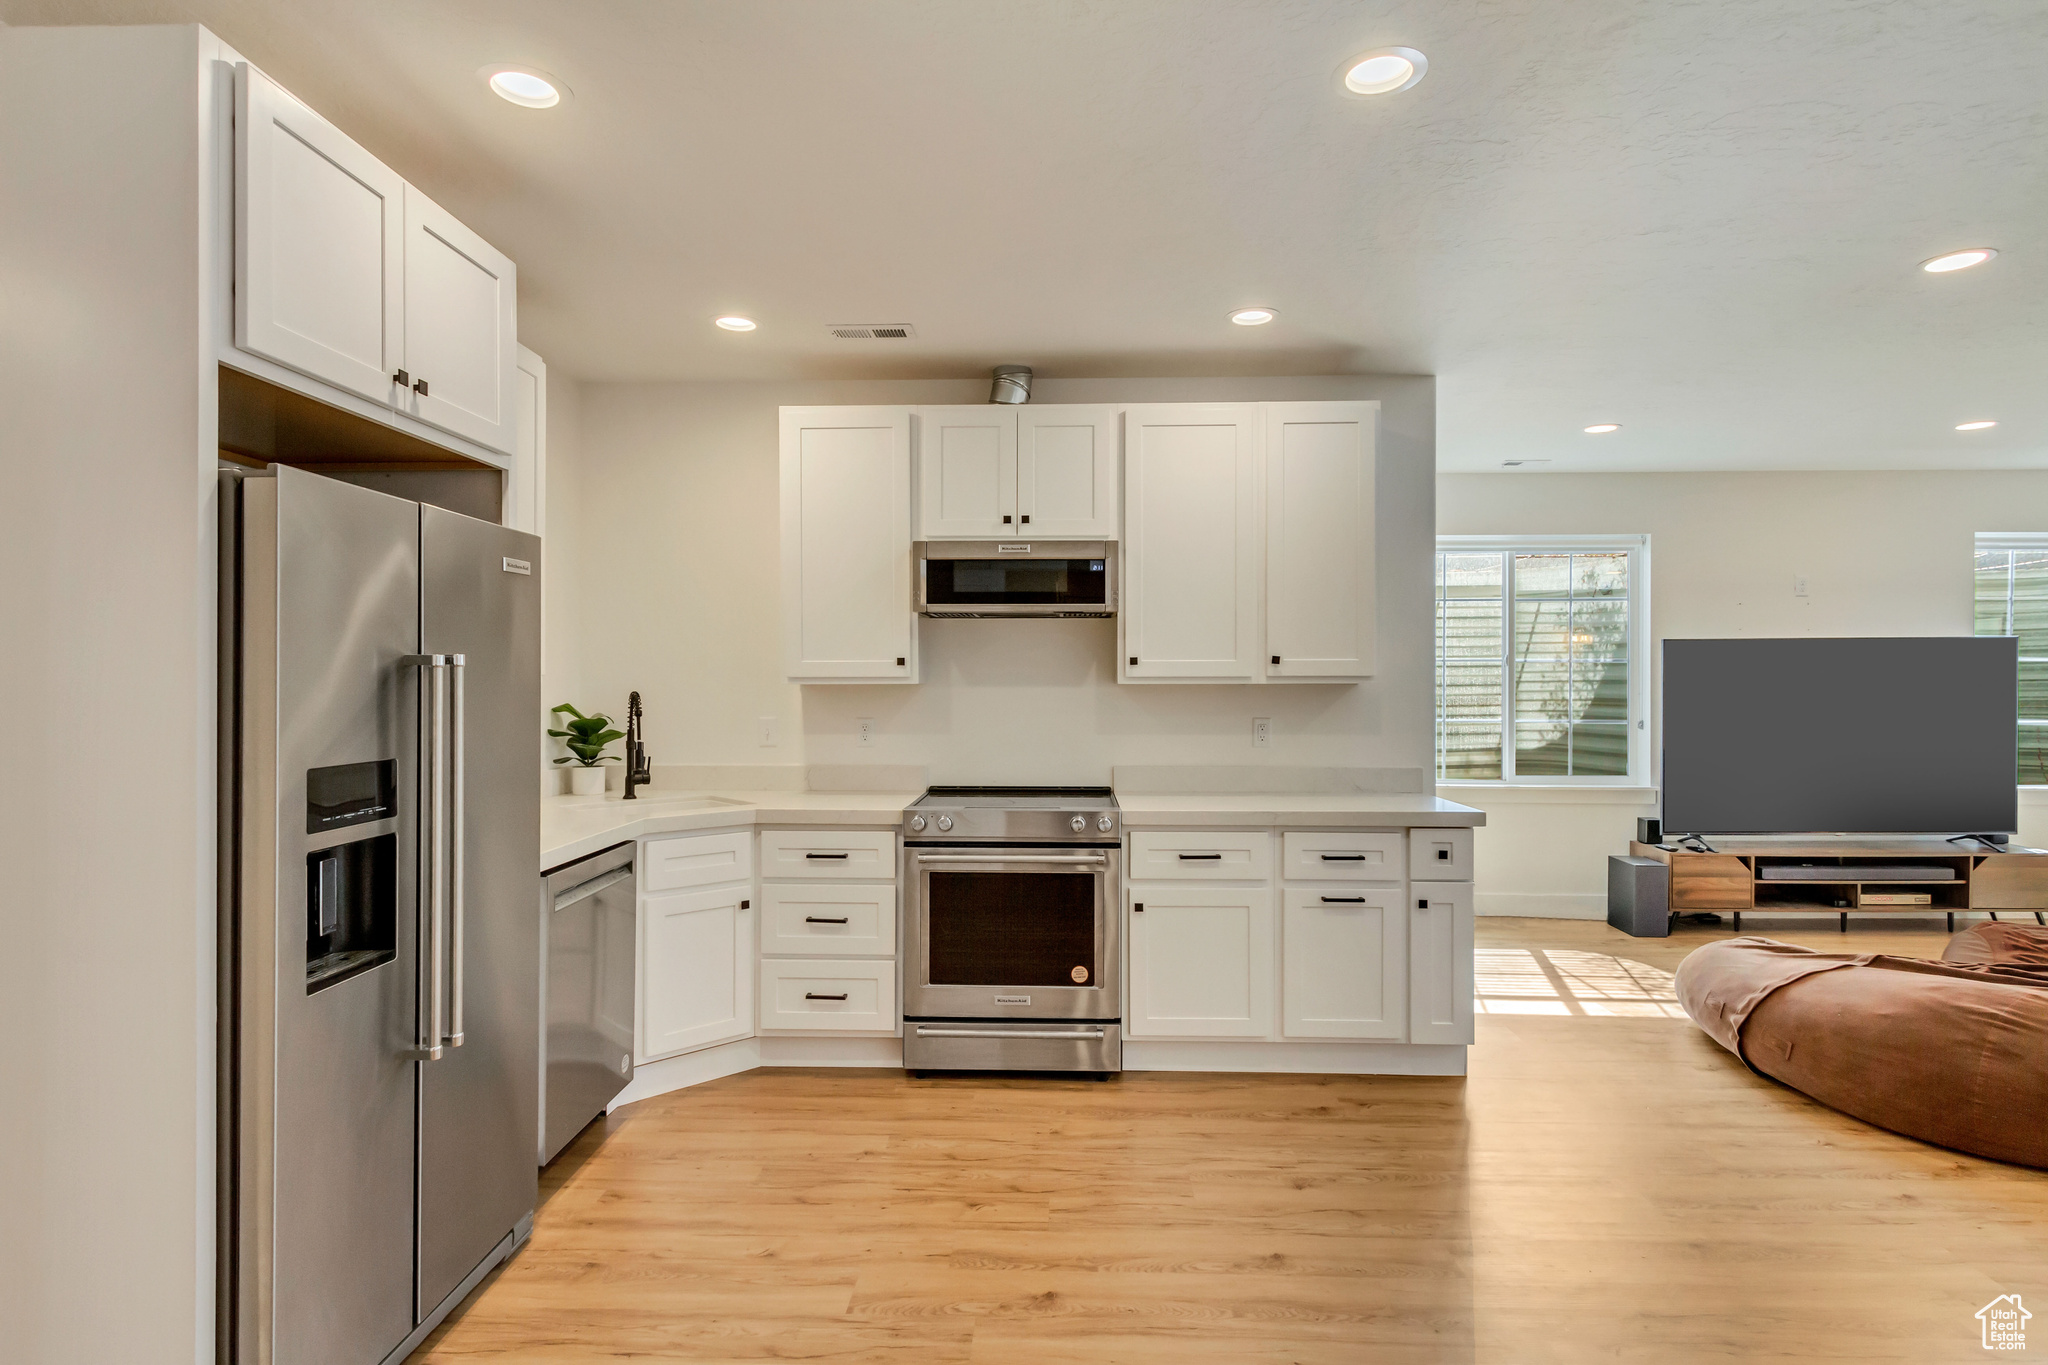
(1070, 1035)
(1071, 860)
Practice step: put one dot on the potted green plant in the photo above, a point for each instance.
(585, 740)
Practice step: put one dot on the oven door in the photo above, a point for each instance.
(1012, 932)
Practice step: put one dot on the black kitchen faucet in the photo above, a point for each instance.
(639, 769)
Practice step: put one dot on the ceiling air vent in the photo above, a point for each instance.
(871, 331)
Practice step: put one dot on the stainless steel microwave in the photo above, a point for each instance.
(1016, 577)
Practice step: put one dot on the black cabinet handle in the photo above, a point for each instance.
(420, 387)
(813, 995)
(826, 857)
(1134, 661)
(746, 905)
(821, 919)
(899, 663)
(1343, 900)
(1422, 905)
(1024, 520)
(1343, 857)
(1201, 857)
(1138, 906)
(402, 379)
(1443, 855)
(1276, 658)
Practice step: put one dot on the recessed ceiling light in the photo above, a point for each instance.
(1603, 428)
(1974, 426)
(524, 86)
(1958, 260)
(736, 324)
(1253, 317)
(1384, 70)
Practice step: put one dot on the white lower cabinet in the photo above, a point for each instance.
(1201, 961)
(829, 919)
(1440, 962)
(1346, 962)
(828, 995)
(696, 969)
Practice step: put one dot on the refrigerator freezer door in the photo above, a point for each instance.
(592, 919)
(479, 1104)
(325, 1114)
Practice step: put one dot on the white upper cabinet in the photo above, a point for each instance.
(966, 472)
(846, 604)
(319, 245)
(989, 471)
(347, 275)
(461, 333)
(1067, 469)
(1319, 539)
(1191, 543)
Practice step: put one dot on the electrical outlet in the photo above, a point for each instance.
(1262, 732)
(864, 732)
(770, 732)
(1799, 586)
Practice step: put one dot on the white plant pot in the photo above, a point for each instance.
(586, 781)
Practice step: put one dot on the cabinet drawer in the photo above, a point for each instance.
(1316, 856)
(1201, 855)
(696, 860)
(833, 853)
(1710, 881)
(1440, 855)
(840, 997)
(827, 919)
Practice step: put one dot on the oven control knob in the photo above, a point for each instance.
(1104, 823)
(945, 823)
(917, 822)
(1079, 822)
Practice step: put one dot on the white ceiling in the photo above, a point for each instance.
(1698, 218)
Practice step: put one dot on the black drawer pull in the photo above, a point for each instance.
(1343, 857)
(813, 995)
(1139, 906)
(1201, 857)
(1422, 905)
(826, 857)
(821, 919)
(1343, 900)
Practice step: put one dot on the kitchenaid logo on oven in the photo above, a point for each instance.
(2005, 1323)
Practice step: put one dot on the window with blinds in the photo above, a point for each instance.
(2012, 599)
(1539, 674)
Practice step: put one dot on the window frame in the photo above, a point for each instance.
(1641, 663)
(2008, 541)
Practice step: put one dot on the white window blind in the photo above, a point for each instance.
(2012, 599)
(1541, 674)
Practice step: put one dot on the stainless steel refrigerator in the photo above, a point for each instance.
(380, 946)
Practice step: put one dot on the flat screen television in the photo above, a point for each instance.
(1904, 736)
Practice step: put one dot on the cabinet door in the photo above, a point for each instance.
(966, 472)
(1346, 955)
(1201, 962)
(526, 482)
(319, 245)
(1069, 457)
(696, 970)
(1440, 962)
(846, 606)
(1319, 539)
(1191, 564)
(461, 332)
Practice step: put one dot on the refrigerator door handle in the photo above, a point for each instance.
(458, 915)
(433, 853)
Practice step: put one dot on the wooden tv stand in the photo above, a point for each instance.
(1727, 879)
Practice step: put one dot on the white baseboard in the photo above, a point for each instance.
(1325, 1059)
(748, 1054)
(1541, 904)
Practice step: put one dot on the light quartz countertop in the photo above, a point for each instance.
(573, 827)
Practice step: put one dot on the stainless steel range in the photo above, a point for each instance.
(1013, 945)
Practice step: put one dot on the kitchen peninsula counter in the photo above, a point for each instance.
(573, 827)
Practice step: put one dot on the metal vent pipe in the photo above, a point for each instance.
(1012, 384)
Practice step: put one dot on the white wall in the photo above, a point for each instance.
(106, 819)
(562, 559)
(1882, 554)
(678, 594)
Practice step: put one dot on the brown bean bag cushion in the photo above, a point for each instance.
(2024, 944)
(1954, 1053)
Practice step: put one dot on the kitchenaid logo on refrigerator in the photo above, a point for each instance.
(2005, 1323)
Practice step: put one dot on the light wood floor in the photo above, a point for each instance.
(1607, 1185)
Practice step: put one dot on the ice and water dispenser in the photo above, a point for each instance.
(351, 888)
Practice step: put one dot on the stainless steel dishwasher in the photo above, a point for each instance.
(591, 971)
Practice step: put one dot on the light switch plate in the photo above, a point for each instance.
(770, 732)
